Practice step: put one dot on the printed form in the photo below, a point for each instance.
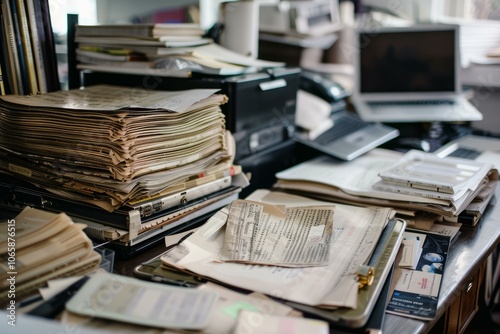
(262, 233)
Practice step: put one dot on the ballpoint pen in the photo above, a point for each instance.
(55, 305)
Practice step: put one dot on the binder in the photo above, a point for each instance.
(16, 193)
(125, 250)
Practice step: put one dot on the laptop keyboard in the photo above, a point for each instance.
(343, 125)
(412, 103)
(465, 153)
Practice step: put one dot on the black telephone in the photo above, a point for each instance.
(322, 87)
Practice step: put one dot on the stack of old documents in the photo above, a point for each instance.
(388, 178)
(109, 146)
(116, 144)
(38, 246)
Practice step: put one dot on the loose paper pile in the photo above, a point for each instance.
(175, 50)
(359, 182)
(39, 246)
(355, 233)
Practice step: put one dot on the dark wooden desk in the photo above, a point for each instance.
(126, 266)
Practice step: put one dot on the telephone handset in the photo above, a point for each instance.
(322, 87)
(318, 97)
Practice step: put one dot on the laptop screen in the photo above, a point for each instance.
(412, 61)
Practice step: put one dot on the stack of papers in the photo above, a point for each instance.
(176, 50)
(129, 163)
(110, 145)
(287, 260)
(146, 34)
(39, 246)
(426, 175)
(359, 182)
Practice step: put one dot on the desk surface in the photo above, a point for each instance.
(471, 248)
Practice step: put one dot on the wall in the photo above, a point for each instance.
(485, 83)
(113, 11)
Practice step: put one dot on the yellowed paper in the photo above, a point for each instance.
(262, 233)
(104, 97)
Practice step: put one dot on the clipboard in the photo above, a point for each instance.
(153, 270)
(382, 260)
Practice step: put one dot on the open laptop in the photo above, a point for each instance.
(486, 149)
(342, 134)
(410, 74)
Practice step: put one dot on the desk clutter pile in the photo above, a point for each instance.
(420, 186)
(134, 166)
(174, 50)
(39, 246)
(128, 162)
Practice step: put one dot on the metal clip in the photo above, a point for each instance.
(365, 275)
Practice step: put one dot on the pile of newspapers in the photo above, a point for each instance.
(131, 163)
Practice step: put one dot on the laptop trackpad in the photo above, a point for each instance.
(358, 138)
(353, 143)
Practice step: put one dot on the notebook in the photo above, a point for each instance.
(410, 74)
(473, 147)
(342, 134)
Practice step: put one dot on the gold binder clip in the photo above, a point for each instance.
(365, 275)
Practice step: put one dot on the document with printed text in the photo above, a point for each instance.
(139, 302)
(356, 232)
(263, 234)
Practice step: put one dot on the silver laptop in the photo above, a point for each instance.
(486, 149)
(410, 74)
(349, 136)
